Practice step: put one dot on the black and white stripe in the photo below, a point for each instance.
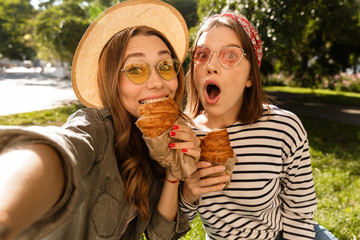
(271, 188)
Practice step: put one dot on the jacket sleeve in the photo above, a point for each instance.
(298, 192)
(161, 228)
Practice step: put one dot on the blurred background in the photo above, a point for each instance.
(307, 43)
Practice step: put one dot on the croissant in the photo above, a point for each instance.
(215, 147)
(157, 116)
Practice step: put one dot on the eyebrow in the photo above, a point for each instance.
(162, 52)
(226, 46)
(233, 45)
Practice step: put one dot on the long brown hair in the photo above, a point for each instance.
(137, 170)
(254, 96)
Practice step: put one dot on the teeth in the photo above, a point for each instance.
(153, 100)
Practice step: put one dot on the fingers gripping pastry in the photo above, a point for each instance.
(216, 148)
(157, 115)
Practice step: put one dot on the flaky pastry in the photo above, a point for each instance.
(215, 147)
(157, 116)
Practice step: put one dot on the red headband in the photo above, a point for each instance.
(251, 32)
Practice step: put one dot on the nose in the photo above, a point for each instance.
(213, 65)
(155, 81)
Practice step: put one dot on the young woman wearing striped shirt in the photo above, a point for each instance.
(271, 194)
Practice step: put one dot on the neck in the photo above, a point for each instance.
(205, 121)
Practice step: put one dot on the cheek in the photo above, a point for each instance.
(198, 72)
(173, 86)
(198, 75)
(129, 93)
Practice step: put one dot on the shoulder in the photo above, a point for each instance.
(89, 117)
(90, 114)
(93, 124)
(283, 120)
(274, 113)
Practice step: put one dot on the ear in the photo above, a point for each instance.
(248, 83)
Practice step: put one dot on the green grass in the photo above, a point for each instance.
(335, 152)
(56, 116)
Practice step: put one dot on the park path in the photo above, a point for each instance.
(26, 90)
(297, 104)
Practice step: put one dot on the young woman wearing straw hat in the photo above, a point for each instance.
(271, 193)
(93, 178)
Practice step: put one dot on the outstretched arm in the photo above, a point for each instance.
(31, 182)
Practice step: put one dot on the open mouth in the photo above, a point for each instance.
(152, 100)
(212, 90)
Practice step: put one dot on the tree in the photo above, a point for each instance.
(59, 29)
(188, 9)
(15, 30)
(306, 38)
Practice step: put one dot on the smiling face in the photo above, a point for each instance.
(150, 49)
(221, 89)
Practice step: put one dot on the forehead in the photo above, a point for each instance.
(218, 37)
(145, 45)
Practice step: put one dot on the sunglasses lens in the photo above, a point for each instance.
(201, 55)
(138, 73)
(230, 56)
(168, 68)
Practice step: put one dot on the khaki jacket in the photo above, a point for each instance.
(93, 204)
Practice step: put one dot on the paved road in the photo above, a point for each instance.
(296, 104)
(25, 90)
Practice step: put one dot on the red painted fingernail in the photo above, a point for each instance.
(172, 145)
(184, 150)
(175, 127)
(172, 133)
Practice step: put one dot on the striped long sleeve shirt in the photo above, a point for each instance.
(271, 188)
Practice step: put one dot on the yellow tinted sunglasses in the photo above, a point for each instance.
(139, 72)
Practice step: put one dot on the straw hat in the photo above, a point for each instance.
(152, 13)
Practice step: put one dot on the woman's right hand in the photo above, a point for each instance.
(196, 185)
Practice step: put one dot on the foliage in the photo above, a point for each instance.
(342, 82)
(188, 9)
(319, 95)
(59, 25)
(197, 230)
(15, 31)
(59, 29)
(309, 39)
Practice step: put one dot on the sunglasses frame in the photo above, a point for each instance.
(217, 52)
(151, 67)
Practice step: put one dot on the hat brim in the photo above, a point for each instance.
(152, 13)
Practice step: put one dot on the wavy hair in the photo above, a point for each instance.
(138, 171)
(254, 96)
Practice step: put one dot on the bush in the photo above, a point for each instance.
(340, 82)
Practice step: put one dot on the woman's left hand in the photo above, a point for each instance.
(189, 144)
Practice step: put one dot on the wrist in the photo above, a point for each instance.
(188, 197)
(171, 180)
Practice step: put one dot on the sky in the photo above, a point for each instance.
(34, 3)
